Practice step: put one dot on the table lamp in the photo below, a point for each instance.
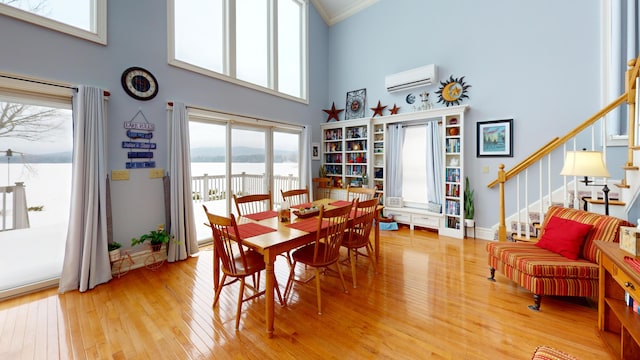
(587, 164)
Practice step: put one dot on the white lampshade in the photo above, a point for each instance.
(584, 163)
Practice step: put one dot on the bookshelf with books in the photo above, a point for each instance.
(453, 224)
(345, 152)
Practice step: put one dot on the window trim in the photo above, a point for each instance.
(46, 91)
(229, 62)
(100, 19)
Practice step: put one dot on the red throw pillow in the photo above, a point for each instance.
(564, 237)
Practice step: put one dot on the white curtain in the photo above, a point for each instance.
(184, 242)
(435, 186)
(86, 259)
(305, 161)
(624, 46)
(394, 161)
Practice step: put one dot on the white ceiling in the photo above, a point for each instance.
(333, 11)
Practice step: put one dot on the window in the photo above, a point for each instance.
(257, 44)
(414, 167)
(35, 155)
(85, 19)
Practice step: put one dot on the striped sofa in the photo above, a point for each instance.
(546, 273)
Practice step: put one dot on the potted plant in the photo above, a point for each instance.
(114, 251)
(469, 209)
(155, 237)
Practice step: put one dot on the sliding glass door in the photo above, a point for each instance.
(35, 188)
(286, 163)
(248, 161)
(234, 157)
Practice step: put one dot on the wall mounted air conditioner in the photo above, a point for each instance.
(410, 79)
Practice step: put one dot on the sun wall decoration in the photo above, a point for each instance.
(452, 91)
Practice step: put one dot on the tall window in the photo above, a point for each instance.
(259, 44)
(35, 186)
(85, 19)
(414, 167)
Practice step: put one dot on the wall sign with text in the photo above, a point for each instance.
(139, 145)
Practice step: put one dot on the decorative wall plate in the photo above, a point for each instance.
(452, 91)
(356, 102)
(410, 99)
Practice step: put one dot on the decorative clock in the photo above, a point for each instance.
(356, 100)
(139, 83)
(452, 91)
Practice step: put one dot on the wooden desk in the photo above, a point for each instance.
(277, 242)
(618, 324)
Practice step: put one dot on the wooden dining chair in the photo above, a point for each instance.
(321, 188)
(357, 236)
(296, 196)
(251, 204)
(324, 251)
(360, 193)
(236, 261)
(255, 203)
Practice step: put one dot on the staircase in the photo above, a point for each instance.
(535, 183)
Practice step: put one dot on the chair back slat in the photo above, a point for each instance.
(364, 214)
(296, 196)
(360, 193)
(227, 243)
(329, 239)
(251, 204)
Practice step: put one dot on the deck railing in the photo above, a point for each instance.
(14, 212)
(213, 187)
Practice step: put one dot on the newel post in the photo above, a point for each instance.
(502, 228)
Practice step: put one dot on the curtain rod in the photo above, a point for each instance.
(404, 125)
(170, 103)
(106, 93)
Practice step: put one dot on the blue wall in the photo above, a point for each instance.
(537, 62)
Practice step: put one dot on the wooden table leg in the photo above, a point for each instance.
(270, 299)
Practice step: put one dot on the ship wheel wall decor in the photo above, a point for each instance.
(452, 91)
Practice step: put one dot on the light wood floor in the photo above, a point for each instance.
(430, 299)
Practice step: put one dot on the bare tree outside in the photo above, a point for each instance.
(32, 123)
(36, 7)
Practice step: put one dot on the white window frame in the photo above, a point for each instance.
(99, 20)
(229, 65)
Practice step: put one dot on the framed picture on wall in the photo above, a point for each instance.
(315, 151)
(495, 138)
(356, 103)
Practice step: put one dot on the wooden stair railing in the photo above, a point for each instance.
(629, 96)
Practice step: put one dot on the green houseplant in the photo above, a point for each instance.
(114, 251)
(469, 208)
(155, 237)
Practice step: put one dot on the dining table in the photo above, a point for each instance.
(270, 237)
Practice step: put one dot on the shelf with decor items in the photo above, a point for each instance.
(346, 152)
